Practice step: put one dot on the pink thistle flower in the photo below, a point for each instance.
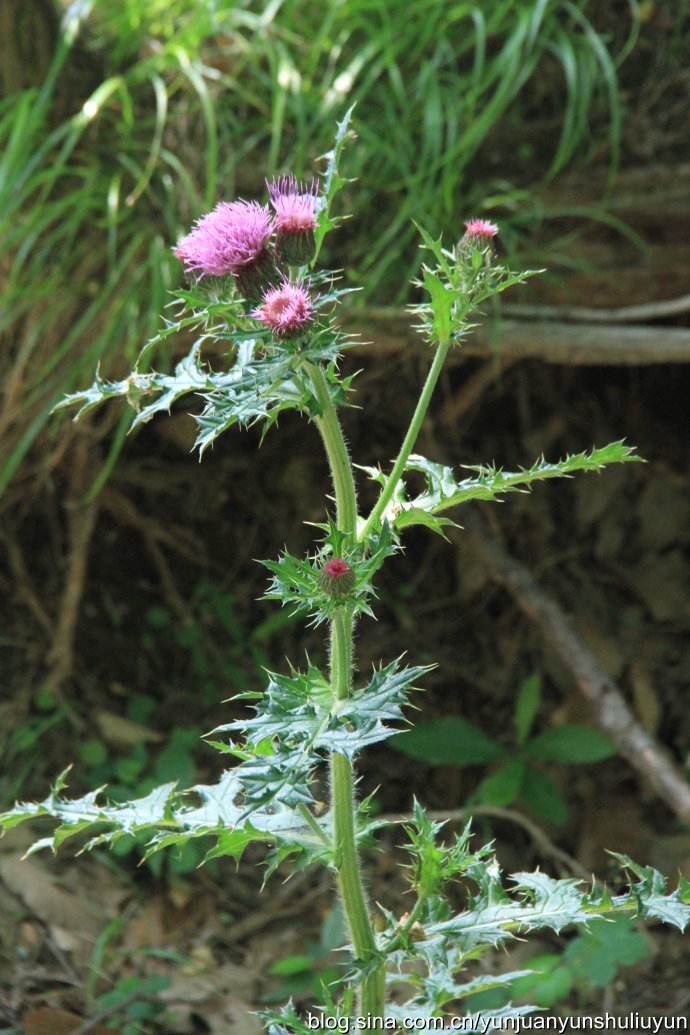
(286, 309)
(295, 208)
(228, 240)
(337, 578)
(480, 228)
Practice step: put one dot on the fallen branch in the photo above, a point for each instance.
(609, 707)
(573, 344)
(81, 520)
(602, 314)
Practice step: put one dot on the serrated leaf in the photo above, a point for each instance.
(98, 392)
(175, 820)
(415, 516)
(332, 183)
(444, 491)
(443, 943)
(651, 893)
(299, 714)
(262, 381)
(441, 305)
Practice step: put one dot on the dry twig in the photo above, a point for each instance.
(602, 314)
(81, 525)
(550, 340)
(608, 705)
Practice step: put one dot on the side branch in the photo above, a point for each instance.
(609, 707)
(409, 441)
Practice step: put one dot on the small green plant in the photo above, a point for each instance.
(590, 961)
(310, 973)
(256, 288)
(516, 774)
(21, 748)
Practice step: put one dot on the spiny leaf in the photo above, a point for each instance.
(654, 900)
(263, 380)
(173, 817)
(443, 942)
(457, 284)
(299, 717)
(490, 483)
(332, 183)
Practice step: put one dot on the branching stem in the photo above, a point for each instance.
(372, 987)
(409, 441)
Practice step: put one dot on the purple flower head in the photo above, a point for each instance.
(295, 208)
(286, 309)
(480, 228)
(227, 240)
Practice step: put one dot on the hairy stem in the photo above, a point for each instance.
(408, 444)
(372, 987)
(341, 469)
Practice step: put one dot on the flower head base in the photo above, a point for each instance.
(337, 578)
(286, 309)
(229, 240)
(294, 204)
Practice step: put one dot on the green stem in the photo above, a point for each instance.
(341, 469)
(408, 444)
(372, 987)
(311, 822)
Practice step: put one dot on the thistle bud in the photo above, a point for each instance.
(294, 204)
(337, 578)
(479, 234)
(287, 309)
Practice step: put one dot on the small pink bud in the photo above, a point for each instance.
(337, 578)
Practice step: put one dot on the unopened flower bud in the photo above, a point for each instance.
(294, 204)
(337, 578)
(287, 309)
(479, 233)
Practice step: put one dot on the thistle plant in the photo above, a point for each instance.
(254, 286)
